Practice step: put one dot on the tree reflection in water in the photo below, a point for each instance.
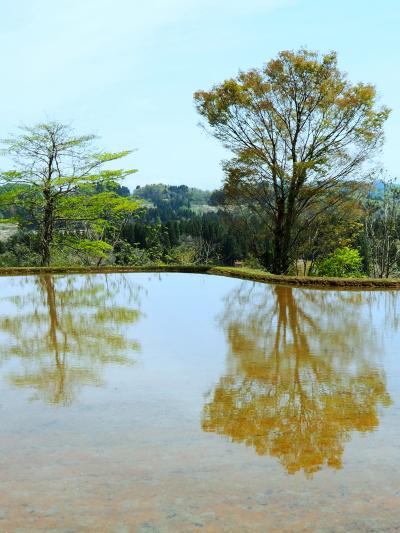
(66, 330)
(300, 374)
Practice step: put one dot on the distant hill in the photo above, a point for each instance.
(174, 200)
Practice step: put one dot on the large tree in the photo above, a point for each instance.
(300, 133)
(55, 184)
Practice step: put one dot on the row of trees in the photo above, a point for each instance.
(298, 195)
(354, 237)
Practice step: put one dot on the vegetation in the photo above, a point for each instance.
(298, 198)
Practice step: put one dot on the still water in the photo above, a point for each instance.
(177, 402)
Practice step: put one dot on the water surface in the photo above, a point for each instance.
(177, 402)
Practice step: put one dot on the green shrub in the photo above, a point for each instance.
(342, 263)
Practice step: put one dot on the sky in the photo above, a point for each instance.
(126, 70)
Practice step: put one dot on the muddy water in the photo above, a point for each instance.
(179, 402)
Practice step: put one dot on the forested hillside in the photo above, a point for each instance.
(183, 225)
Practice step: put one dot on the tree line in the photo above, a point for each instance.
(300, 194)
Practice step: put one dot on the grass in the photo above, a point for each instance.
(305, 281)
(233, 272)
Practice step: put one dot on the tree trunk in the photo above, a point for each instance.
(282, 238)
(46, 237)
(277, 255)
(281, 262)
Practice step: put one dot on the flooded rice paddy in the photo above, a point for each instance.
(178, 402)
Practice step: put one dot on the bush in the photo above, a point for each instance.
(342, 263)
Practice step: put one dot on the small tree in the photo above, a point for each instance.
(342, 263)
(54, 185)
(300, 133)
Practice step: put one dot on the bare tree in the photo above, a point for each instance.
(382, 232)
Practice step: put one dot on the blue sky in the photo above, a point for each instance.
(126, 70)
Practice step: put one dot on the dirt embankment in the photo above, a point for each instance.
(241, 273)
